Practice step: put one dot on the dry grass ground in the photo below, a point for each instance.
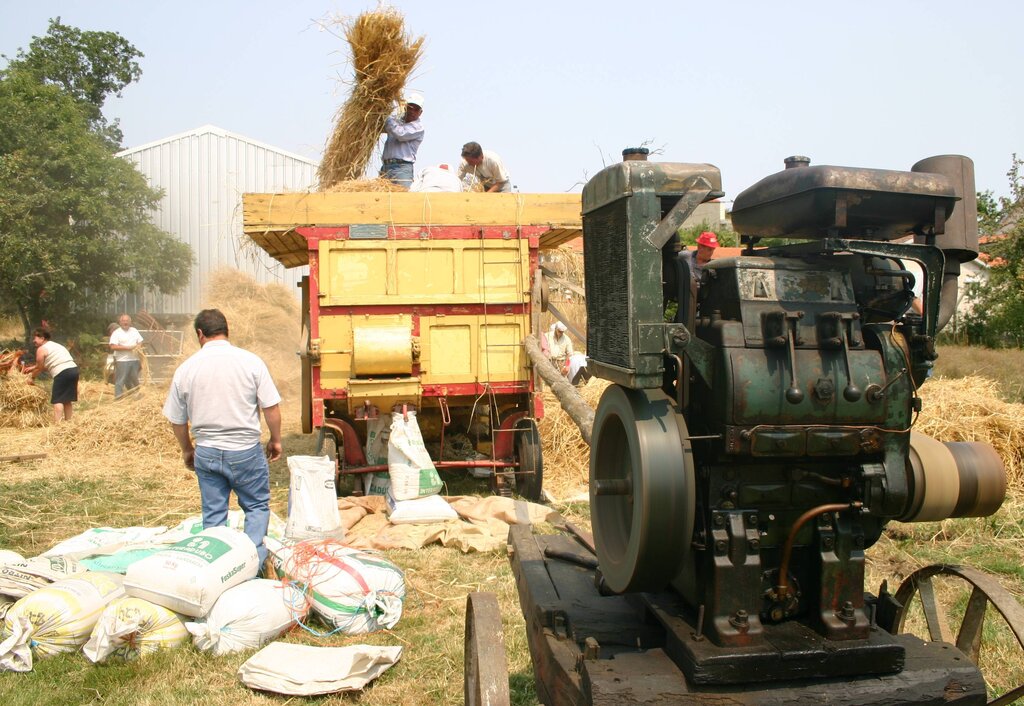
(117, 464)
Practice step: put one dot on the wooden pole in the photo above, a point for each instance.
(575, 406)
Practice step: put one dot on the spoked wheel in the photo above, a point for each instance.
(530, 475)
(486, 668)
(642, 492)
(967, 608)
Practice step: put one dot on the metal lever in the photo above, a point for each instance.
(851, 392)
(794, 395)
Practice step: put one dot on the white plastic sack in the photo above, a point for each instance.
(312, 499)
(412, 472)
(189, 576)
(248, 616)
(9, 557)
(104, 540)
(55, 619)
(20, 579)
(131, 628)
(306, 670)
(421, 511)
(356, 592)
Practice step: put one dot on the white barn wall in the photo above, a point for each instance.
(203, 174)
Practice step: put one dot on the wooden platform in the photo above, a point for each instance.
(588, 648)
(271, 219)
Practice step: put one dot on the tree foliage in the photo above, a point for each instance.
(997, 305)
(75, 225)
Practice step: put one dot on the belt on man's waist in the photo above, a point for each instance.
(397, 161)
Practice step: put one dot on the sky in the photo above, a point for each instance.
(559, 88)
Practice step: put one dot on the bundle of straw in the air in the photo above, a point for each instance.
(383, 56)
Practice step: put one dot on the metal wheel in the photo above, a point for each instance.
(642, 492)
(942, 596)
(486, 668)
(530, 476)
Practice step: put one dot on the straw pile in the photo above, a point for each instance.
(971, 409)
(262, 318)
(22, 405)
(383, 57)
(354, 185)
(566, 455)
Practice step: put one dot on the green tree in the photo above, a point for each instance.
(75, 225)
(997, 314)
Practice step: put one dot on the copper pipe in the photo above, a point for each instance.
(782, 588)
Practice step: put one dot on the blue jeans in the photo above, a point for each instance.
(126, 376)
(247, 473)
(400, 173)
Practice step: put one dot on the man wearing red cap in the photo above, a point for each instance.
(706, 244)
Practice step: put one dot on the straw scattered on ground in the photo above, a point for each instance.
(383, 57)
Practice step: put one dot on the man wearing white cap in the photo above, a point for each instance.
(559, 347)
(404, 137)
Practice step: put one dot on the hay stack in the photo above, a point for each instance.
(354, 185)
(22, 405)
(971, 409)
(383, 57)
(262, 318)
(566, 455)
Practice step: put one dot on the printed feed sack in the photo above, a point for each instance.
(421, 511)
(130, 628)
(189, 576)
(248, 616)
(20, 579)
(312, 499)
(412, 472)
(354, 591)
(378, 434)
(57, 618)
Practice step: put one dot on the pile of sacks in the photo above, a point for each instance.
(125, 593)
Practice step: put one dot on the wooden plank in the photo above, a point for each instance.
(22, 457)
(262, 212)
(559, 236)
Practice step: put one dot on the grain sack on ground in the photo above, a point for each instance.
(354, 592)
(20, 579)
(189, 577)
(305, 670)
(312, 499)
(130, 628)
(248, 616)
(410, 469)
(56, 619)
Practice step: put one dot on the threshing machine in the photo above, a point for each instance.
(419, 302)
(755, 441)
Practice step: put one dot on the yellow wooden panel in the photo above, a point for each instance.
(285, 211)
(335, 351)
(473, 348)
(424, 272)
(353, 273)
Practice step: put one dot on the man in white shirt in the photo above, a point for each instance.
(559, 347)
(486, 166)
(405, 134)
(220, 391)
(124, 343)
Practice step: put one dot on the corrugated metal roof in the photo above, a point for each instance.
(203, 174)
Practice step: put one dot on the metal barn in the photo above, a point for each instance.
(203, 174)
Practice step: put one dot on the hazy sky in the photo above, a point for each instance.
(558, 88)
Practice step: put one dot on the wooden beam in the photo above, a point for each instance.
(22, 457)
(262, 212)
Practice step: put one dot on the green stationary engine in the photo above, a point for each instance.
(758, 437)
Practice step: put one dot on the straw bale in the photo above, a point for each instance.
(971, 409)
(22, 405)
(383, 57)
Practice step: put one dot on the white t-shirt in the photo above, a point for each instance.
(490, 171)
(219, 390)
(559, 349)
(57, 358)
(436, 179)
(120, 337)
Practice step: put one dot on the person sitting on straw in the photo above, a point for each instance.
(405, 135)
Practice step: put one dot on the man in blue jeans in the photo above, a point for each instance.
(219, 391)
